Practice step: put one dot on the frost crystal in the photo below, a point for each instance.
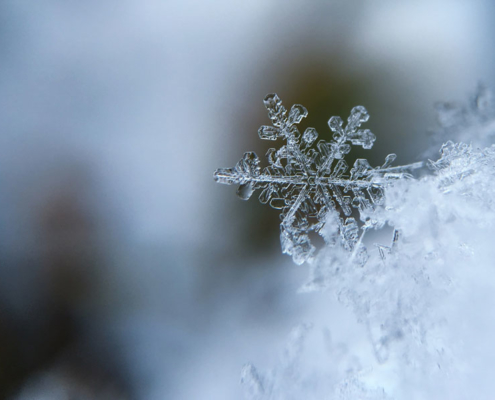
(310, 184)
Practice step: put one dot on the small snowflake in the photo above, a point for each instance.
(309, 183)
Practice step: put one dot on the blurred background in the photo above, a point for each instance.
(126, 272)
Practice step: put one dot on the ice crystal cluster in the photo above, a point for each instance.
(309, 185)
(425, 303)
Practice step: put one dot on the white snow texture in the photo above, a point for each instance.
(426, 299)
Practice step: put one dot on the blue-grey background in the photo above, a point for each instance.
(125, 271)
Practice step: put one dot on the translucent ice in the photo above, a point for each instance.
(307, 182)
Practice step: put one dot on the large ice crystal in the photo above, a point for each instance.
(311, 183)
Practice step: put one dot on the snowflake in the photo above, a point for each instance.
(310, 184)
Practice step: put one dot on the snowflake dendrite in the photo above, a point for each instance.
(311, 183)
